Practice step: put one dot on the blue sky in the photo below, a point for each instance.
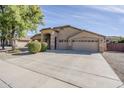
(105, 20)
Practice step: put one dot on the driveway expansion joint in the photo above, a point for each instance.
(45, 75)
(6, 83)
(120, 85)
(84, 72)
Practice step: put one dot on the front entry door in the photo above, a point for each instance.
(47, 40)
(55, 42)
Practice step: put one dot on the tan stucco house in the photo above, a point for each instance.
(69, 37)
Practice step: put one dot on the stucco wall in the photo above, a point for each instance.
(21, 44)
(64, 34)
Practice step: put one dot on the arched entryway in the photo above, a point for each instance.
(47, 39)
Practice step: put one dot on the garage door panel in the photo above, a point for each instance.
(85, 46)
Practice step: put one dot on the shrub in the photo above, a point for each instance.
(121, 41)
(28, 43)
(34, 46)
(44, 46)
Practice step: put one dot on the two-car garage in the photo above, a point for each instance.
(85, 44)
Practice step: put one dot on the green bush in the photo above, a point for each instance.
(44, 46)
(34, 46)
(121, 41)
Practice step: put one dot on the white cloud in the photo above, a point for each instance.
(110, 8)
(87, 20)
(93, 18)
(52, 13)
(115, 28)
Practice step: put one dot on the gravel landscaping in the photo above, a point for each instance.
(116, 61)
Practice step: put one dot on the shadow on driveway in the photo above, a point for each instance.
(22, 54)
(71, 52)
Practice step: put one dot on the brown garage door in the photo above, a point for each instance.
(85, 45)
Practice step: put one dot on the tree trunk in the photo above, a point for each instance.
(3, 39)
(13, 44)
(3, 43)
(13, 39)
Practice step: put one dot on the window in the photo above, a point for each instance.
(82, 40)
(63, 41)
(88, 40)
(92, 40)
(73, 40)
(95, 40)
(60, 41)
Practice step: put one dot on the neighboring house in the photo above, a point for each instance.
(36, 37)
(22, 42)
(68, 37)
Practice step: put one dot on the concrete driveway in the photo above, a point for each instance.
(59, 68)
